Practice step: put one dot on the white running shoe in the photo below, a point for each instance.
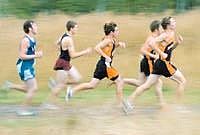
(51, 83)
(50, 106)
(127, 106)
(69, 93)
(182, 109)
(6, 86)
(25, 113)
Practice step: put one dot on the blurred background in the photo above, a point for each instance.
(132, 16)
(30, 8)
(94, 113)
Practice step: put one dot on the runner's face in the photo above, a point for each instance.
(116, 32)
(172, 23)
(34, 28)
(160, 30)
(75, 29)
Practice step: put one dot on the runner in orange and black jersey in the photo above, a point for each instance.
(146, 64)
(164, 45)
(103, 68)
(105, 48)
(163, 66)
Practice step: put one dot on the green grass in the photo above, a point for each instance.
(100, 95)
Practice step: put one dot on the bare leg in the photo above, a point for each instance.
(152, 79)
(119, 91)
(74, 78)
(180, 79)
(135, 82)
(19, 87)
(85, 86)
(72, 82)
(31, 85)
(159, 93)
(75, 75)
(61, 77)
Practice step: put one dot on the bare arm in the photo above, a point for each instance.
(144, 50)
(178, 40)
(120, 44)
(23, 49)
(67, 43)
(156, 48)
(101, 45)
(155, 43)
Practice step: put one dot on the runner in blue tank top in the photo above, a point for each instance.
(26, 61)
(26, 67)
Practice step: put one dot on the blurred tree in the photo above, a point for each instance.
(182, 5)
(29, 8)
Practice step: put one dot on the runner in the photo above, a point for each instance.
(26, 63)
(105, 49)
(163, 45)
(63, 66)
(147, 62)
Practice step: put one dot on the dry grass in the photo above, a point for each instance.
(134, 29)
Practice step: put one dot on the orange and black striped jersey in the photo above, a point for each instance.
(102, 70)
(150, 50)
(166, 46)
(149, 60)
(109, 49)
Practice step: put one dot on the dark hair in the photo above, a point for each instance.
(165, 21)
(154, 25)
(27, 25)
(70, 24)
(109, 27)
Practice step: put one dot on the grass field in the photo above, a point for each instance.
(95, 112)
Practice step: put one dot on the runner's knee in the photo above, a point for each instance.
(92, 86)
(55, 92)
(119, 82)
(33, 89)
(184, 81)
(145, 87)
(77, 78)
(160, 82)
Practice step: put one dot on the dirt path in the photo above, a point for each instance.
(101, 120)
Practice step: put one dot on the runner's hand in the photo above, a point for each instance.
(108, 59)
(88, 50)
(156, 57)
(122, 44)
(164, 55)
(38, 54)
